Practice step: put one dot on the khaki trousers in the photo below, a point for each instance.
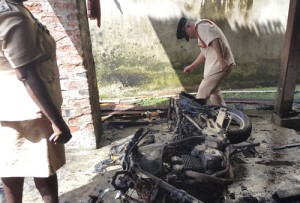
(26, 151)
(209, 88)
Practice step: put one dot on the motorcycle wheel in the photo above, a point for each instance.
(240, 127)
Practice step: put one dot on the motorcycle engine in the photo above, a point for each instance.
(203, 158)
(212, 159)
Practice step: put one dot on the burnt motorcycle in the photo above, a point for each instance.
(186, 117)
(193, 163)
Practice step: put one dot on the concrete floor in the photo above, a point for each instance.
(256, 178)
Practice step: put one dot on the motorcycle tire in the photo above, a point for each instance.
(241, 127)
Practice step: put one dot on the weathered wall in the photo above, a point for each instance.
(136, 50)
(68, 24)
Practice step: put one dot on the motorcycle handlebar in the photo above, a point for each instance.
(138, 136)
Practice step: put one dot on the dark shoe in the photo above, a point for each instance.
(201, 101)
(187, 95)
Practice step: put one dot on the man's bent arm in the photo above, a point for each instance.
(39, 94)
(199, 60)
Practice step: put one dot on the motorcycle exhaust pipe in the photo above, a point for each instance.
(201, 177)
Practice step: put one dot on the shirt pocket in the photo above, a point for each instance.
(48, 71)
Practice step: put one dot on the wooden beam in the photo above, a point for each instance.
(290, 61)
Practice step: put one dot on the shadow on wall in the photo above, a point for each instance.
(257, 49)
(137, 49)
(66, 14)
(221, 9)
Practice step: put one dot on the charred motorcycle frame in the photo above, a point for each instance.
(195, 160)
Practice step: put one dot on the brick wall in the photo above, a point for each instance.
(68, 24)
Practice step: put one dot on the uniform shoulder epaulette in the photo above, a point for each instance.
(4, 6)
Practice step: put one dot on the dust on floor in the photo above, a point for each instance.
(256, 177)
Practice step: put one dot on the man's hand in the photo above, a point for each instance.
(224, 66)
(188, 69)
(60, 135)
(60, 138)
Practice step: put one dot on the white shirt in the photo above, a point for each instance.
(207, 32)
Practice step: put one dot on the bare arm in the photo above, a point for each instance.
(38, 92)
(199, 60)
(217, 47)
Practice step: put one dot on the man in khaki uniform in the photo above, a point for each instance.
(215, 53)
(32, 130)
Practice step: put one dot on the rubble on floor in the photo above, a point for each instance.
(259, 177)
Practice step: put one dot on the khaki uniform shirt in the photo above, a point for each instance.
(23, 40)
(207, 32)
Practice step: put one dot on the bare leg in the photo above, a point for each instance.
(48, 188)
(13, 189)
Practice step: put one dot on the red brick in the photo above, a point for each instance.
(74, 128)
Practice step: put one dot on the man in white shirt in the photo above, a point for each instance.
(215, 53)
